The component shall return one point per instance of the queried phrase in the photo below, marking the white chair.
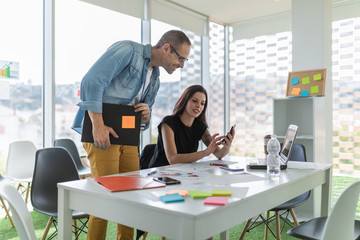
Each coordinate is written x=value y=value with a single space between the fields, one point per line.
x=2 y=203
x=20 y=163
x=23 y=222
x=340 y=224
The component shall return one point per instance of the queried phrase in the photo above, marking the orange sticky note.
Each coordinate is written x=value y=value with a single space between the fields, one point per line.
x=295 y=91
x=128 y=122
x=183 y=193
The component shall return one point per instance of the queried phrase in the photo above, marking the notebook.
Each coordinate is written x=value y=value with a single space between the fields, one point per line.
x=122 y=118
x=260 y=163
x=127 y=183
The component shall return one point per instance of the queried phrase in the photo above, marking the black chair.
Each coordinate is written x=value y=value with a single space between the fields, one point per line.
x=297 y=154
x=69 y=145
x=146 y=156
x=52 y=166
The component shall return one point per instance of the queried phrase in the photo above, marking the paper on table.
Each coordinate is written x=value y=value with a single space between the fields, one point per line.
x=303 y=165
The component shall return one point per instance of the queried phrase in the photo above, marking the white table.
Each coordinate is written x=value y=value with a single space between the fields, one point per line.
x=190 y=219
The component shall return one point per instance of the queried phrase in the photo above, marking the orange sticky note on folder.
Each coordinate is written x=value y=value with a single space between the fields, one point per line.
x=128 y=121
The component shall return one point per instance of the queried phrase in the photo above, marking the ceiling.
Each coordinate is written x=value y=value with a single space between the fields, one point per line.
x=230 y=12
x=235 y=11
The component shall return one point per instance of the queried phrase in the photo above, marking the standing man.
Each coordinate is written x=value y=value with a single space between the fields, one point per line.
x=127 y=73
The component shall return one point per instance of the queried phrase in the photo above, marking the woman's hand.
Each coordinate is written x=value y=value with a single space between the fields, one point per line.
x=215 y=141
x=228 y=138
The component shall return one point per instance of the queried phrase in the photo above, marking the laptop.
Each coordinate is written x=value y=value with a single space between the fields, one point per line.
x=260 y=163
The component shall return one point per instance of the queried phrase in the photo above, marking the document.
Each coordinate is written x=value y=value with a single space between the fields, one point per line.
x=122 y=118
x=127 y=183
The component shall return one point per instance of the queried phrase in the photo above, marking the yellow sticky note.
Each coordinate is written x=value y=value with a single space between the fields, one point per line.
x=314 y=89
x=305 y=80
x=295 y=91
x=317 y=77
x=128 y=122
x=221 y=192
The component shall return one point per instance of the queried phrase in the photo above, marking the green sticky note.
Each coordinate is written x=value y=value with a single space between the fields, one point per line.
x=221 y=192
x=317 y=77
x=199 y=194
x=305 y=80
x=314 y=89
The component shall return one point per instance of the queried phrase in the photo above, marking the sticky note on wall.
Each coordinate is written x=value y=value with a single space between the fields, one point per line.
x=317 y=77
x=294 y=80
x=128 y=122
x=295 y=91
x=314 y=89
x=304 y=93
x=305 y=80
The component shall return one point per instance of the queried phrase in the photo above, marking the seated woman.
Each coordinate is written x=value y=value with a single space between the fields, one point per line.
x=180 y=133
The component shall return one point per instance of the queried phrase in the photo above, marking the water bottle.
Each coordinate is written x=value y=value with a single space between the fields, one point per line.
x=273 y=158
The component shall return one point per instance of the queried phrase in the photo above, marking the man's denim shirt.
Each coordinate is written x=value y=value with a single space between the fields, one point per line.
x=117 y=77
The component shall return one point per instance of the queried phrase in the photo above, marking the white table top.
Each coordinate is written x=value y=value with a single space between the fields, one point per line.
x=252 y=193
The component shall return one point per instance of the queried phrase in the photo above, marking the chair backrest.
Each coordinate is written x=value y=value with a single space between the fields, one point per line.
x=70 y=145
x=146 y=155
x=52 y=166
x=21 y=160
x=298 y=153
x=20 y=214
x=340 y=223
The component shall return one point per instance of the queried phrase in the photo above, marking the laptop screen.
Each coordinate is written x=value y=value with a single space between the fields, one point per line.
x=288 y=143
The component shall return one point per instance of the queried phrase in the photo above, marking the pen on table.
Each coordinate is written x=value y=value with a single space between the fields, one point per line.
x=218 y=164
x=152 y=172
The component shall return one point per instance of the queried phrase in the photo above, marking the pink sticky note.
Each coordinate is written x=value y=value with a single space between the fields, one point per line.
x=216 y=201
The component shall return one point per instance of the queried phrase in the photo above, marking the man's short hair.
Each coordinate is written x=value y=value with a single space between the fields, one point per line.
x=174 y=37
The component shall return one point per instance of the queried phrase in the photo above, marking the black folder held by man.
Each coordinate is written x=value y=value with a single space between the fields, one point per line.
x=122 y=118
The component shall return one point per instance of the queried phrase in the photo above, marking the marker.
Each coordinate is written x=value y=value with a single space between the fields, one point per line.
x=219 y=164
x=152 y=172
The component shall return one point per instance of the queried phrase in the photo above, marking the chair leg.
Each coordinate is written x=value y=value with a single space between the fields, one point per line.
x=144 y=235
x=48 y=225
x=7 y=214
x=75 y=227
x=245 y=229
x=27 y=192
x=266 y=234
x=293 y=215
x=278 y=232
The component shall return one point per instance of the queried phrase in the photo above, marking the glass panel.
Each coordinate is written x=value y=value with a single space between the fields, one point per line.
x=259 y=70
x=346 y=96
x=216 y=93
x=173 y=85
x=81 y=39
x=20 y=74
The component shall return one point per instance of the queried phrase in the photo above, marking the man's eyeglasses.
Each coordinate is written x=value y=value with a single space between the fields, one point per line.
x=181 y=59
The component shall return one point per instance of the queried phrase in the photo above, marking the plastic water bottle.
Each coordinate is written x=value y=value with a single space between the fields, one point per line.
x=273 y=158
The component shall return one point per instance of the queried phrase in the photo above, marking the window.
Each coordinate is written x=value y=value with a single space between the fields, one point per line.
x=216 y=92
x=259 y=70
x=21 y=89
x=346 y=96
x=172 y=86
x=81 y=39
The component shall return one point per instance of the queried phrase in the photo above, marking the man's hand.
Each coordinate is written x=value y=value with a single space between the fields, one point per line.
x=145 y=112
x=101 y=132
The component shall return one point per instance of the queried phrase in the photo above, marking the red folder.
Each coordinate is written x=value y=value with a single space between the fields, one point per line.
x=127 y=183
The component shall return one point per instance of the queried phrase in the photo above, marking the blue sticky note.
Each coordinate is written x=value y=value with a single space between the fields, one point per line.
x=172 y=198
x=294 y=80
x=304 y=93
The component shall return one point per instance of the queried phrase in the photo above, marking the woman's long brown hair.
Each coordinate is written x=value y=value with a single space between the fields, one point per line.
x=185 y=97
